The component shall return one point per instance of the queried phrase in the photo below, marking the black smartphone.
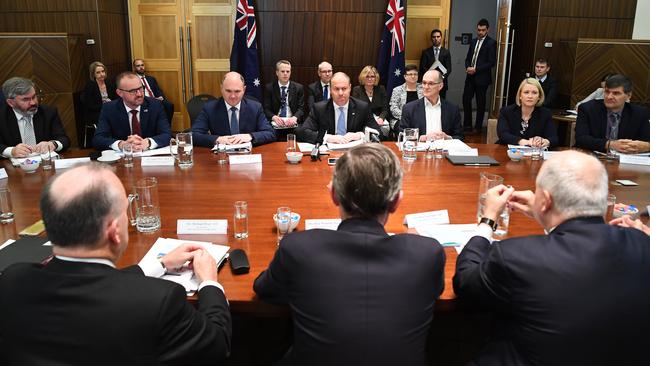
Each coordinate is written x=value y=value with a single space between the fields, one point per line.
x=332 y=161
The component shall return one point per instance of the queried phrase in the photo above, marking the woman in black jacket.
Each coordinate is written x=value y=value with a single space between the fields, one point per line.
x=99 y=90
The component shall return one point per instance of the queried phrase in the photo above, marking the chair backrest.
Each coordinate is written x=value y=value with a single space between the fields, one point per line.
x=195 y=105
x=491 y=137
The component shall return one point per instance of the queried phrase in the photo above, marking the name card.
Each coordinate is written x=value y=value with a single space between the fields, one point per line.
x=245 y=159
x=3 y=174
x=201 y=227
x=328 y=224
x=634 y=159
x=69 y=163
x=427 y=218
x=157 y=161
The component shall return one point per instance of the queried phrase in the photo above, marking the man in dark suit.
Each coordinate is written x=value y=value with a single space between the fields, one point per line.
x=548 y=83
x=481 y=58
x=358 y=295
x=284 y=100
x=437 y=53
x=339 y=120
x=152 y=89
x=78 y=309
x=613 y=124
x=232 y=119
x=320 y=90
x=435 y=117
x=25 y=126
x=133 y=119
x=571 y=297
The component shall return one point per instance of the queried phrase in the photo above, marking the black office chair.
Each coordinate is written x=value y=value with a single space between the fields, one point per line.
x=195 y=105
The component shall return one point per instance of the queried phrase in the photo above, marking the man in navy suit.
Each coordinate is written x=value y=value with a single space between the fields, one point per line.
x=232 y=119
x=320 y=90
x=341 y=119
x=612 y=123
x=25 y=126
x=133 y=118
x=284 y=100
x=79 y=309
x=358 y=295
x=435 y=117
x=436 y=53
x=576 y=295
x=152 y=89
x=481 y=58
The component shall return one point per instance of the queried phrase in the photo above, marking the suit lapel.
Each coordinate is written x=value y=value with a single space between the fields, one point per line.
x=12 y=125
x=352 y=116
x=329 y=117
x=422 y=117
x=144 y=116
x=125 y=115
x=38 y=121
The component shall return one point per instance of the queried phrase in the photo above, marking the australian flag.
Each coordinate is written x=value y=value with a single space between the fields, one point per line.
x=243 y=57
x=390 y=62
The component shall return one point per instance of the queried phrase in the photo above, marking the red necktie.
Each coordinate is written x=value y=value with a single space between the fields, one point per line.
x=135 y=124
x=146 y=85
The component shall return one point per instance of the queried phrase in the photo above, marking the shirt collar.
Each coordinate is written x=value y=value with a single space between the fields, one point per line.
x=542 y=79
x=287 y=86
x=128 y=109
x=86 y=260
x=322 y=84
x=345 y=106
x=228 y=106
x=427 y=103
x=19 y=115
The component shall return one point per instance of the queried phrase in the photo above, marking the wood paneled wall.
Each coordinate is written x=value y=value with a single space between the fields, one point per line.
x=344 y=33
x=540 y=21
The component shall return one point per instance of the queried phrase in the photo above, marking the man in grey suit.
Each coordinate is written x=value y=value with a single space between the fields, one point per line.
x=437 y=53
x=574 y=296
x=358 y=295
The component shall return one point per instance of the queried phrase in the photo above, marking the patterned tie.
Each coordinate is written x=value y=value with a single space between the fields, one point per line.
x=340 y=126
x=612 y=125
x=476 y=50
x=135 y=123
x=326 y=94
x=146 y=86
x=234 y=123
x=30 y=138
x=283 y=102
x=435 y=51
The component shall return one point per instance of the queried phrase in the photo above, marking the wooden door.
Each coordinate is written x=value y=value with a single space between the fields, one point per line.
x=423 y=16
x=504 y=55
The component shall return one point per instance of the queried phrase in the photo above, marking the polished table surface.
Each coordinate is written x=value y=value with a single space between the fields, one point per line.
x=208 y=191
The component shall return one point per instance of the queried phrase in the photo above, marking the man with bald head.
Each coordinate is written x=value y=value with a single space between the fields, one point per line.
x=341 y=119
x=78 y=307
x=576 y=295
x=232 y=119
x=320 y=90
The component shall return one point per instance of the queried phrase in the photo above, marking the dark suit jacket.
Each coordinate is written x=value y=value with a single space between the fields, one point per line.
x=573 y=297
x=358 y=296
x=540 y=124
x=115 y=123
x=413 y=116
x=379 y=104
x=321 y=120
x=315 y=94
x=591 y=124
x=296 y=100
x=91 y=100
x=485 y=61
x=428 y=58
x=71 y=313
x=212 y=122
x=550 y=91
x=153 y=84
x=47 y=127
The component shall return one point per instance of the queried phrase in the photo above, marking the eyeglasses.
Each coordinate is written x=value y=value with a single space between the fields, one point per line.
x=134 y=91
x=325 y=71
x=430 y=83
x=411 y=74
x=370 y=76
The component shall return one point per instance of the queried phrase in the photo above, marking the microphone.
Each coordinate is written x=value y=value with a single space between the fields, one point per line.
x=315 y=152
x=372 y=135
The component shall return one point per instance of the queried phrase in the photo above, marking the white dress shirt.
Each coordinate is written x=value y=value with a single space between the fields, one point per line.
x=21 y=127
x=433 y=116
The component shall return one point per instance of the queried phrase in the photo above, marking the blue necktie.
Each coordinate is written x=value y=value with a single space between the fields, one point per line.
x=234 y=123
x=326 y=94
x=340 y=126
x=283 y=102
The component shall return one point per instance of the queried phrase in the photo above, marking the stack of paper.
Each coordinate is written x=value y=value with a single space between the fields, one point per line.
x=333 y=146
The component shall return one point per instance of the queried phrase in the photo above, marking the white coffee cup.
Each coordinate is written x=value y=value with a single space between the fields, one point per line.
x=108 y=154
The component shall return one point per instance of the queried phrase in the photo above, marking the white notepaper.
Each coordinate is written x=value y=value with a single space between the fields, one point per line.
x=470 y=152
x=634 y=159
x=456 y=235
x=3 y=173
x=245 y=159
x=333 y=146
x=159 y=151
x=246 y=145
x=69 y=163
x=157 y=161
x=427 y=218
x=328 y=224
x=184 y=226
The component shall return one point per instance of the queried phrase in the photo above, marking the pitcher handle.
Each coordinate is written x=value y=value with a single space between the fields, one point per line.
x=173 y=143
x=400 y=137
x=133 y=210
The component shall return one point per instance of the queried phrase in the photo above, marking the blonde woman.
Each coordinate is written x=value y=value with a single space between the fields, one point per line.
x=372 y=93
x=99 y=90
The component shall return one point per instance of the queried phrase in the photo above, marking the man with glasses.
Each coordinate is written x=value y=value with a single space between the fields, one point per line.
x=25 y=126
x=436 y=57
x=320 y=90
x=133 y=118
x=435 y=117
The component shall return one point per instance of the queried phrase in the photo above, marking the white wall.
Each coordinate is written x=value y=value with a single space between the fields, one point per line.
x=641 y=24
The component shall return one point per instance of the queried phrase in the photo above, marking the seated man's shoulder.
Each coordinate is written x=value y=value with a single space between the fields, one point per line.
x=444 y=103
x=359 y=103
x=250 y=103
x=417 y=242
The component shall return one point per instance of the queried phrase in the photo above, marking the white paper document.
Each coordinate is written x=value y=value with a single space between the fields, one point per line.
x=439 y=66
x=333 y=146
x=185 y=276
x=328 y=224
x=157 y=161
x=234 y=147
x=184 y=226
x=634 y=159
x=245 y=159
x=427 y=218
x=470 y=152
x=456 y=235
x=159 y=151
x=69 y=163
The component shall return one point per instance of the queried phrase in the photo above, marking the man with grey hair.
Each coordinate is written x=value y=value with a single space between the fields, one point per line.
x=79 y=308
x=575 y=296
x=25 y=126
x=358 y=295
x=320 y=89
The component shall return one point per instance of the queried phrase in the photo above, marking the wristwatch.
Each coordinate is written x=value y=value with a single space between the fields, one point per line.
x=491 y=223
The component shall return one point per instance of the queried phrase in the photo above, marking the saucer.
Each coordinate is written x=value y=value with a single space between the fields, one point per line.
x=105 y=159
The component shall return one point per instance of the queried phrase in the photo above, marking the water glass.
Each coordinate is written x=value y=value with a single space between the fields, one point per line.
x=6 y=210
x=46 y=159
x=291 y=142
x=535 y=153
x=611 y=201
x=144 y=207
x=283 y=222
x=241 y=220
x=429 y=153
x=222 y=156
x=127 y=149
x=181 y=148
x=438 y=148
x=486 y=182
